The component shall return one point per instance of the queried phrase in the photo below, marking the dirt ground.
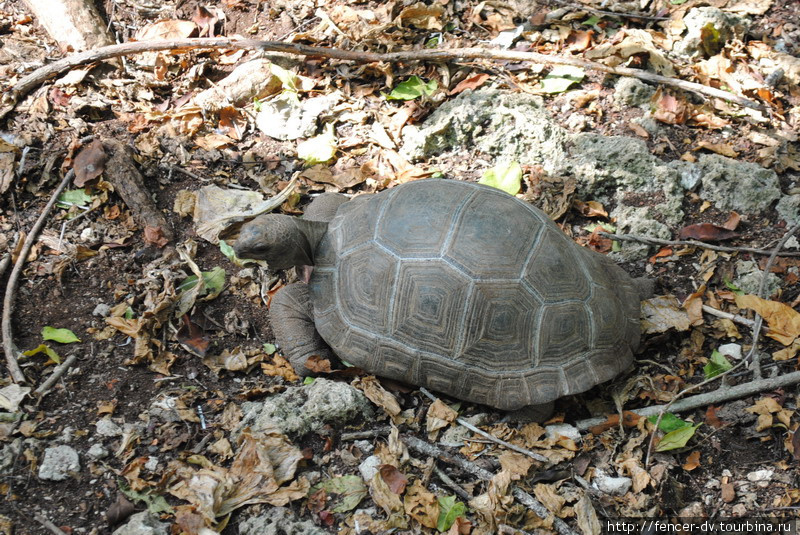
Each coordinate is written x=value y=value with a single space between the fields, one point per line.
x=110 y=261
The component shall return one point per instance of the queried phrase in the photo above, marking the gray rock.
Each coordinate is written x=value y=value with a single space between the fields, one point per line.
x=59 y=463
x=616 y=486
x=105 y=427
x=733 y=185
x=750 y=276
x=9 y=453
x=508 y=125
x=728 y=25
x=689 y=174
x=300 y=410
x=278 y=521
x=564 y=430
x=641 y=221
x=788 y=208
x=97 y=452
x=631 y=92
x=734 y=351
x=143 y=523
x=286 y=118
x=102 y=310
x=369 y=467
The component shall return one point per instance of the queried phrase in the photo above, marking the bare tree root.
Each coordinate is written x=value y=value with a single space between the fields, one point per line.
x=27 y=83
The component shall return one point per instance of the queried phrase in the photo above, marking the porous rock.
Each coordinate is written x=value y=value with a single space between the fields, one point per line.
x=728 y=25
x=278 y=521
x=144 y=523
x=59 y=463
x=300 y=410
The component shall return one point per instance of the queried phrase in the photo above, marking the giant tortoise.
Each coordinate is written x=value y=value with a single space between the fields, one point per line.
x=450 y=285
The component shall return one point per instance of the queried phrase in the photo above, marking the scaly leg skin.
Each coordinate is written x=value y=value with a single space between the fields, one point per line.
x=292 y=319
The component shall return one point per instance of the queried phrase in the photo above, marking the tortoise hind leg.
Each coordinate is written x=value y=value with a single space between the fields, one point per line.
x=292 y=319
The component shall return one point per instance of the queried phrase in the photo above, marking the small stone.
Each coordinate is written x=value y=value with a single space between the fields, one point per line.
x=97 y=452
x=143 y=523
x=101 y=310
x=728 y=492
x=58 y=463
x=564 y=430
x=151 y=464
x=733 y=351
x=739 y=509
x=615 y=486
x=105 y=427
x=760 y=475
x=369 y=467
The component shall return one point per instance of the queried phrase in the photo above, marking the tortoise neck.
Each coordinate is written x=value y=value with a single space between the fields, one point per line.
x=311 y=233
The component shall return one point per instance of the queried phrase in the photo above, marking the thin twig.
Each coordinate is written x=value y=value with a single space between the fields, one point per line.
x=520 y=495
x=49 y=525
x=751 y=355
x=455 y=487
x=728 y=316
x=11 y=351
x=58 y=372
x=489 y=436
x=692 y=243
x=37 y=77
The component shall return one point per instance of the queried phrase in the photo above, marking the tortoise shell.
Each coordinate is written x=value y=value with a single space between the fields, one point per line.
x=466 y=290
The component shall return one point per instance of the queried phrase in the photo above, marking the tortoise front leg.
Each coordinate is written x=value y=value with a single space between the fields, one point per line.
x=292 y=317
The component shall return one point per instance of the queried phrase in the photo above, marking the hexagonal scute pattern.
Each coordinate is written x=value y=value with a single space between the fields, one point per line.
x=365 y=283
x=416 y=221
x=554 y=270
x=502 y=320
x=493 y=237
x=428 y=305
x=468 y=291
x=564 y=333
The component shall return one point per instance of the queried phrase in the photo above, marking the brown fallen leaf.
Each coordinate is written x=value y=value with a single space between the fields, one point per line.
x=712 y=419
x=89 y=163
x=782 y=320
x=589 y=208
x=393 y=477
x=692 y=461
x=473 y=82
x=421 y=505
x=732 y=222
x=439 y=416
x=706 y=232
x=378 y=395
x=629 y=419
x=720 y=148
x=669 y=109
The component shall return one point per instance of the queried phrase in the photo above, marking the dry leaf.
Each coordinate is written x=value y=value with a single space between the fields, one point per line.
x=706 y=232
x=662 y=313
x=439 y=416
x=378 y=395
x=783 y=321
x=692 y=461
x=393 y=477
x=421 y=505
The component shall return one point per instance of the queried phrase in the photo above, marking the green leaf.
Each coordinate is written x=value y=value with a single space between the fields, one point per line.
x=717 y=365
x=669 y=422
x=129 y=314
x=269 y=349
x=351 y=490
x=227 y=250
x=434 y=41
x=288 y=78
x=308 y=380
x=732 y=287
x=47 y=350
x=74 y=197
x=449 y=510
x=561 y=78
x=318 y=149
x=62 y=336
x=677 y=439
x=156 y=503
x=677 y=2
x=412 y=88
x=506 y=177
x=591 y=21
x=606 y=227
x=213 y=282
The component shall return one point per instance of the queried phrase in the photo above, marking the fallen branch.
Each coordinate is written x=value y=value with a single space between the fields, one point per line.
x=728 y=316
x=37 y=77
x=520 y=495
x=692 y=243
x=581 y=7
x=57 y=373
x=11 y=351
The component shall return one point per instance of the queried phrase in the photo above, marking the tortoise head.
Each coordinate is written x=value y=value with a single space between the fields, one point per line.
x=282 y=241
